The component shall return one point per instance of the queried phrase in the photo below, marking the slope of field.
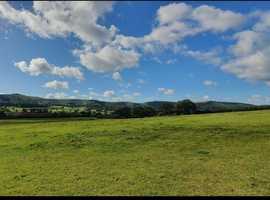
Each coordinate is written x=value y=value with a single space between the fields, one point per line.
x=211 y=154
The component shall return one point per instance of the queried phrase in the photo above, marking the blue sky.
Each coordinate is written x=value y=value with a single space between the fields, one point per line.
x=136 y=51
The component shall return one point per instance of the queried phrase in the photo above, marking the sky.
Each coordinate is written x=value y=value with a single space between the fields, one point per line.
x=136 y=51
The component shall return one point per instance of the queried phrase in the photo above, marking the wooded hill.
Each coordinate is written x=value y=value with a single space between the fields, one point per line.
x=24 y=101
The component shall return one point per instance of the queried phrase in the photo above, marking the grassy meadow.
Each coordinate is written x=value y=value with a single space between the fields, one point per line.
x=210 y=154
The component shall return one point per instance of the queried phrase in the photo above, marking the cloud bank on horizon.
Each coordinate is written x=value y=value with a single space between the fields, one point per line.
x=103 y=49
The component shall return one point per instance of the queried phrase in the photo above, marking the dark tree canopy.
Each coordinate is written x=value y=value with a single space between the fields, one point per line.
x=143 y=111
x=167 y=108
x=138 y=111
x=149 y=111
x=185 y=107
x=2 y=114
x=124 y=112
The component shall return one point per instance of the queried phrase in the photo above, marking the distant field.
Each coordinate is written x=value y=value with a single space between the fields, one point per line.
x=211 y=154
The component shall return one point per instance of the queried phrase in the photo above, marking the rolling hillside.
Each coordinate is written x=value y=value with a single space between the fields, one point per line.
x=214 y=106
x=28 y=101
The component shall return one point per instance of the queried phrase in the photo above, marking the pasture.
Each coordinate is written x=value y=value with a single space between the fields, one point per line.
x=210 y=154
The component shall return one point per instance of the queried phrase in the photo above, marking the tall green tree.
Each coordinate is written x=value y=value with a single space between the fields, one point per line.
x=185 y=107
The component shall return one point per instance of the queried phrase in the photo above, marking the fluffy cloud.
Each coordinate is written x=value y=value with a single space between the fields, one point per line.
x=105 y=96
x=116 y=76
x=94 y=95
x=250 y=54
x=124 y=97
x=170 y=33
x=68 y=72
x=109 y=59
x=209 y=83
x=208 y=18
x=49 y=19
x=252 y=67
x=166 y=91
x=128 y=42
x=247 y=41
x=58 y=95
x=173 y=12
x=57 y=85
x=179 y=20
x=258 y=99
x=176 y=21
x=205 y=98
x=109 y=93
x=38 y=66
x=211 y=57
x=62 y=95
x=216 y=20
x=104 y=50
x=264 y=21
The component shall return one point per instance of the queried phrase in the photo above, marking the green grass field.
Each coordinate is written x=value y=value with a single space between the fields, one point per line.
x=211 y=154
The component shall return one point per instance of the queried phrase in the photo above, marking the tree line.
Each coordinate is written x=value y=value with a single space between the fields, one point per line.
x=166 y=108
x=183 y=107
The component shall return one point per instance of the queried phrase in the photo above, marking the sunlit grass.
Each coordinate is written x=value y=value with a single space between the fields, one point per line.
x=211 y=154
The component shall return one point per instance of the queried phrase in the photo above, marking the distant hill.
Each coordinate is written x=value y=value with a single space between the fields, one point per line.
x=157 y=104
x=215 y=106
x=28 y=101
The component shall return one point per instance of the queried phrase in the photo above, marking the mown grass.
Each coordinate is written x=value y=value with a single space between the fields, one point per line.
x=211 y=154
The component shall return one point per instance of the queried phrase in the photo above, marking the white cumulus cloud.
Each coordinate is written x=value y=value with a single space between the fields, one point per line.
x=173 y=12
x=166 y=91
x=109 y=93
x=258 y=99
x=179 y=20
x=50 y=19
x=211 y=57
x=57 y=95
x=57 y=84
x=250 y=54
x=109 y=59
x=68 y=71
x=216 y=20
x=206 y=98
x=116 y=76
x=38 y=66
